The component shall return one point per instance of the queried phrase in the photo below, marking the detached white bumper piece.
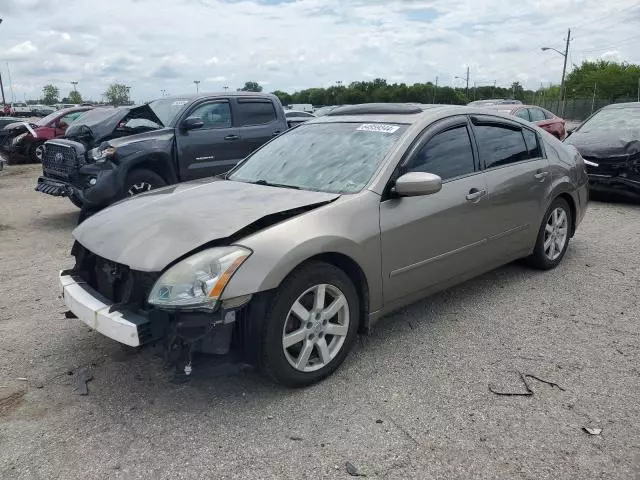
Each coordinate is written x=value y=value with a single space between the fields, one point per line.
x=93 y=310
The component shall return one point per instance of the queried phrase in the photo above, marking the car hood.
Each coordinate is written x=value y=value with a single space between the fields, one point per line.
x=159 y=134
x=101 y=122
x=16 y=128
x=603 y=144
x=151 y=230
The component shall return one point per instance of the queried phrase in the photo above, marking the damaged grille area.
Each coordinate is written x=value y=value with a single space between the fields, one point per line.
x=118 y=283
x=615 y=166
x=60 y=161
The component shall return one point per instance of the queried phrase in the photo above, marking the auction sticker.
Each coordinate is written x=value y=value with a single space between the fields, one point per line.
x=179 y=103
x=377 y=127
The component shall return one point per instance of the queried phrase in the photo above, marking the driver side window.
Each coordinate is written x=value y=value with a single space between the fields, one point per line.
x=214 y=115
x=447 y=154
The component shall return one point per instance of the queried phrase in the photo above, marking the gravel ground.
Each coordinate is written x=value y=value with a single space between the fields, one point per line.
x=411 y=401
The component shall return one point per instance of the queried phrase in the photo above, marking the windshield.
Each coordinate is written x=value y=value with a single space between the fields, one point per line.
x=166 y=109
x=613 y=119
x=49 y=118
x=326 y=157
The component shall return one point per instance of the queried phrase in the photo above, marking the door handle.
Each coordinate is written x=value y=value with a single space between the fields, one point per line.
x=231 y=137
x=541 y=175
x=475 y=194
x=276 y=133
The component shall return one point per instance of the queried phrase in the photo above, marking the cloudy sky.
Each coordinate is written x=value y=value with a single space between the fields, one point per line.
x=153 y=45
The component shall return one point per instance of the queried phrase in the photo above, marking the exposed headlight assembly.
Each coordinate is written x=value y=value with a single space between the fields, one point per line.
x=197 y=282
x=19 y=138
x=99 y=154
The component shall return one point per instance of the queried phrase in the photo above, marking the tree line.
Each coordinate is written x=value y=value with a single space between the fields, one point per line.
x=603 y=79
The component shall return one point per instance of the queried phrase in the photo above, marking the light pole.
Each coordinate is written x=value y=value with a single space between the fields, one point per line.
x=74 y=86
x=564 y=69
x=226 y=87
x=197 y=82
x=2 y=86
x=128 y=89
x=163 y=92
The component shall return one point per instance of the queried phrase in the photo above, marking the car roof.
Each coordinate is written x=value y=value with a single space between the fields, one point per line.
x=198 y=96
x=623 y=105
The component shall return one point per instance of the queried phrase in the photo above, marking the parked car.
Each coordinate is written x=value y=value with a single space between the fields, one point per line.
x=538 y=115
x=42 y=110
x=20 y=110
x=495 y=101
x=22 y=139
x=325 y=110
x=609 y=141
x=168 y=140
x=4 y=121
x=296 y=117
x=320 y=232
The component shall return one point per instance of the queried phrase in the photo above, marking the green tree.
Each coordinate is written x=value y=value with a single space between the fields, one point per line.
x=285 y=98
x=50 y=94
x=611 y=80
x=251 y=87
x=117 y=94
x=75 y=97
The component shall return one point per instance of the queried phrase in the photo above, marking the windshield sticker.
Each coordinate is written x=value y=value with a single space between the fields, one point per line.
x=179 y=103
x=377 y=127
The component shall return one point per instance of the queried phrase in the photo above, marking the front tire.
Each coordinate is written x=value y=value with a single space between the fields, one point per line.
x=310 y=326
x=553 y=236
x=140 y=181
x=36 y=152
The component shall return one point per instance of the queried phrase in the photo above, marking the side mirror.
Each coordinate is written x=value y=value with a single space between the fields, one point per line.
x=192 y=123
x=416 y=184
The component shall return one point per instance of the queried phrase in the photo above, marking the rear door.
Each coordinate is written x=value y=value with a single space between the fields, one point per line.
x=430 y=239
x=212 y=149
x=257 y=121
x=517 y=176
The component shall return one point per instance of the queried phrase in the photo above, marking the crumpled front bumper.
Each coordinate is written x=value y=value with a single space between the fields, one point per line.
x=614 y=184
x=94 y=310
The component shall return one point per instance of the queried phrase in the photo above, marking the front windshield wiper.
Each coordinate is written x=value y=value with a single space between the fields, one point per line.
x=269 y=184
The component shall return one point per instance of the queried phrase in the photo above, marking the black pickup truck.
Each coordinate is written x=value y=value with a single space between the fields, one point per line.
x=111 y=153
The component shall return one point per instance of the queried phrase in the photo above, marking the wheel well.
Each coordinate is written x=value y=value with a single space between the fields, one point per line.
x=158 y=165
x=356 y=275
x=572 y=205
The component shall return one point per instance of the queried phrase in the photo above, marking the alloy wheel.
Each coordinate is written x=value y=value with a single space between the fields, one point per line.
x=556 y=232
x=137 y=188
x=316 y=328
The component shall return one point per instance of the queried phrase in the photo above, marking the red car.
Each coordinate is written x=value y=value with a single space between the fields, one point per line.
x=538 y=115
x=27 y=139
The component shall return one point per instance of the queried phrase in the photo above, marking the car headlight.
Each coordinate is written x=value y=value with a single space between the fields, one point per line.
x=99 y=154
x=19 y=138
x=197 y=282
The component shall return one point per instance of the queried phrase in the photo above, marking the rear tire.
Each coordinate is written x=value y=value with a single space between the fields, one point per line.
x=140 y=181
x=553 y=236
x=327 y=330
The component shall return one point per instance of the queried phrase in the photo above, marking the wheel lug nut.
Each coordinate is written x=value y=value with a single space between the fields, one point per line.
x=309 y=325
x=324 y=322
x=311 y=337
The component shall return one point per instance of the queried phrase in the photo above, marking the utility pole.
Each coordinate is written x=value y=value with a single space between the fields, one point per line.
x=467 y=93
x=13 y=99
x=593 y=100
x=435 y=90
x=564 y=71
x=2 y=86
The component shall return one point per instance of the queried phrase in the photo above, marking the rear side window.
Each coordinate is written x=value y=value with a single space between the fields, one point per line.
x=524 y=114
x=500 y=145
x=531 y=140
x=547 y=115
x=536 y=115
x=448 y=154
x=256 y=112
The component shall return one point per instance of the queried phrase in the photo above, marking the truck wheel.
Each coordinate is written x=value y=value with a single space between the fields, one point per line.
x=142 y=180
x=36 y=152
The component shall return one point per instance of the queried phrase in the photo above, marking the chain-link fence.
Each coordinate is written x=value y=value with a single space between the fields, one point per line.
x=578 y=108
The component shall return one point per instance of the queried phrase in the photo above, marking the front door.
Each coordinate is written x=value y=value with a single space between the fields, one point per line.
x=518 y=176
x=431 y=239
x=211 y=149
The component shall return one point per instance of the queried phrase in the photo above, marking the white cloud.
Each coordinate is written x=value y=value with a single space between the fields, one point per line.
x=303 y=43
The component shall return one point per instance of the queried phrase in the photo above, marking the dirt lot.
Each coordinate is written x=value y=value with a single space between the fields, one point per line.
x=411 y=401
